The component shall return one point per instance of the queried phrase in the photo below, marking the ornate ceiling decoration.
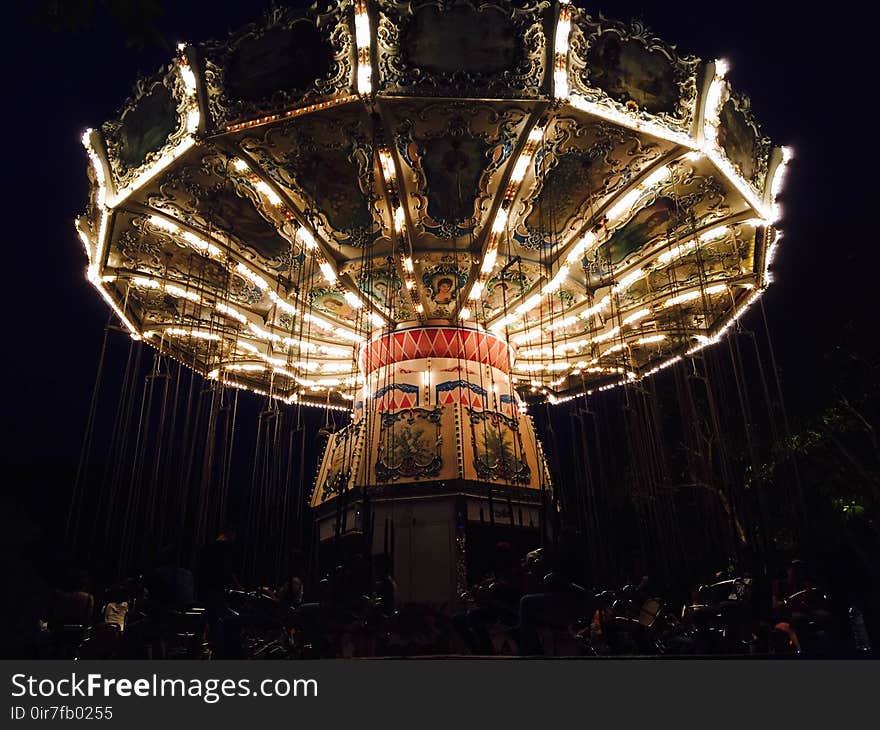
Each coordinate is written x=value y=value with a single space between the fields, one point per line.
x=266 y=205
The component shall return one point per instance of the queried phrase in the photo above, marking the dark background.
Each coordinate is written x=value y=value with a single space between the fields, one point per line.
x=811 y=77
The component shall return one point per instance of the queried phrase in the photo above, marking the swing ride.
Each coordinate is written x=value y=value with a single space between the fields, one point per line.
x=430 y=216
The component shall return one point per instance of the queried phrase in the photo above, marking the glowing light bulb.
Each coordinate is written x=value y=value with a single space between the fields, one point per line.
x=353 y=299
x=636 y=316
x=305 y=235
x=650 y=340
x=327 y=270
x=489 y=261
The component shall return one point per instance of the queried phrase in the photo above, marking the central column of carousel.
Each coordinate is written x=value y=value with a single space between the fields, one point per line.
x=438 y=463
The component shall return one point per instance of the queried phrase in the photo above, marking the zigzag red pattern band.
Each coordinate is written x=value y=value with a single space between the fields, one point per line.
x=457 y=343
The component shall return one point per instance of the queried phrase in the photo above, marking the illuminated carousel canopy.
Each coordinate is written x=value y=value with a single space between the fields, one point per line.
x=272 y=208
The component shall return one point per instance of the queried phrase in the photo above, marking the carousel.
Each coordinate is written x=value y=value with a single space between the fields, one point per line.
x=431 y=216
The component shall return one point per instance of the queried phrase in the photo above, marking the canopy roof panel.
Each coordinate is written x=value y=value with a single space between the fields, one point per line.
x=265 y=204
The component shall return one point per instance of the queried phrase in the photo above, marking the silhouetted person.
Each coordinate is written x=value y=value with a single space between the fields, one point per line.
x=214 y=576
x=357 y=583
x=290 y=592
x=169 y=583
x=216 y=569
x=797 y=604
x=560 y=597
x=70 y=613
x=497 y=596
x=72 y=604
x=385 y=586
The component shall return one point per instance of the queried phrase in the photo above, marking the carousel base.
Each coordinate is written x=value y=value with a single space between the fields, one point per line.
x=438 y=543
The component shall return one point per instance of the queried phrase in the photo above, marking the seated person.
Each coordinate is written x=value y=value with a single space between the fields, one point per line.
x=560 y=600
x=797 y=603
x=169 y=583
x=73 y=604
x=497 y=597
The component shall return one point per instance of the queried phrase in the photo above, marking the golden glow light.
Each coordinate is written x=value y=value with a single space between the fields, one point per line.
x=630 y=120
x=650 y=339
x=267 y=192
x=192 y=119
x=327 y=270
x=581 y=247
x=362 y=41
x=626 y=203
x=194 y=333
x=560 y=52
x=353 y=299
x=529 y=304
x=519 y=170
x=387 y=164
x=145 y=283
x=675 y=252
x=717 y=95
x=777 y=183
x=182 y=293
x=596 y=308
x=636 y=316
x=682 y=298
x=254 y=278
x=502 y=323
x=95 y=280
x=305 y=235
x=557 y=325
x=197 y=243
x=489 y=261
x=615 y=348
x=627 y=281
x=164 y=223
x=606 y=335
x=557 y=281
x=500 y=221
x=281 y=303
x=230 y=312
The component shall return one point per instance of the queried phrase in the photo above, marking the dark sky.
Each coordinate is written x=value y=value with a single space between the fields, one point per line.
x=812 y=78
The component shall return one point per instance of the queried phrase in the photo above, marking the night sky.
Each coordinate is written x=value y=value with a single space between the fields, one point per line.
x=811 y=78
